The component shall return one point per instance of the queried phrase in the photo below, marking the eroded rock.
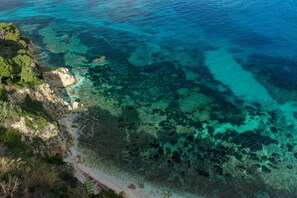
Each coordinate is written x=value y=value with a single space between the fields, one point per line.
x=59 y=78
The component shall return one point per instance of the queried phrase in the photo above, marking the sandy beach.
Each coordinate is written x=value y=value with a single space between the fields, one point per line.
x=102 y=180
x=84 y=173
x=105 y=177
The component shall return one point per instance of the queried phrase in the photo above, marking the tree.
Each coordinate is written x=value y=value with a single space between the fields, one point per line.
x=5 y=68
x=27 y=74
x=22 y=60
x=9 y=32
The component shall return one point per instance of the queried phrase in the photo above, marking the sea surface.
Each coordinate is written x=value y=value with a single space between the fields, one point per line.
x=198 y=97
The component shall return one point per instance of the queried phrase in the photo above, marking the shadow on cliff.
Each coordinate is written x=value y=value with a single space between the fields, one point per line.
x=9 y=48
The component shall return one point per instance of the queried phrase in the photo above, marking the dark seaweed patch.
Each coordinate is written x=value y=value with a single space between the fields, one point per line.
x=290 y=147
x=249 y=139
x=57 y=59
x=265 y=169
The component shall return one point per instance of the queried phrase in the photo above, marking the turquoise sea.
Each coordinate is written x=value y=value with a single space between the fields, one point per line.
x=198 y=96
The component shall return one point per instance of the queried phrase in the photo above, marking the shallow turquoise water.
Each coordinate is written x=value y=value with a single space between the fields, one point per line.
x=196 y=96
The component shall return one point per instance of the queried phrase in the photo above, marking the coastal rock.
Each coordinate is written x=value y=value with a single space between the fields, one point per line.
x=17 y=95
x=53 y=141
x=45 y=132
x=132 y=186
x=59 y=78
x=49 y=93
x=54 y=105
x=75 y=105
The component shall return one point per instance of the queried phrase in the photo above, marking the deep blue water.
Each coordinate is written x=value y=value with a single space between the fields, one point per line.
x=196 y=96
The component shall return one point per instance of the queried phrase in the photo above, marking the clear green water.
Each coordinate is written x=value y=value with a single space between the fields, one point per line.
x=198 y=97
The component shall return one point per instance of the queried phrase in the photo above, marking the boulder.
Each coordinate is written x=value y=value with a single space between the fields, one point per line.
x=59 y=78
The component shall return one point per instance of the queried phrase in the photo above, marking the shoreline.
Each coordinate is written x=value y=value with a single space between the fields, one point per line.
x=75 y=158
x=101 y=180
x=105 y=178
x=119 y=182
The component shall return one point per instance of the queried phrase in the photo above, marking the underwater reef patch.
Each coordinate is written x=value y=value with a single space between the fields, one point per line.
x=156 y=120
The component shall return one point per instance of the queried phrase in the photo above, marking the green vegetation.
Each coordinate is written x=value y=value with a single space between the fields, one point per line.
x=12 y=139
x=8 y=31
x=32 y=106
x=27 y=176
x=9 y=111
x=15 y=63
x=5 y=68
x=26 y=170
x=32 y=112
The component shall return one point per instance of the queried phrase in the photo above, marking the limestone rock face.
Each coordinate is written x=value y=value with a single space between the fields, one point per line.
x=59 y=78
x=49 y=130
x=18 y=95
x=51 y=102
x=49 y=93
x=54 y=99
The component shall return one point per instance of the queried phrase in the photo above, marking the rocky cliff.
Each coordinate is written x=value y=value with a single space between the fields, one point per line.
x=50 y=95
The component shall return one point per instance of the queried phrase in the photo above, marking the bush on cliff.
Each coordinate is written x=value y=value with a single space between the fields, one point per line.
x=12 y=139
x=5 y=68
x=15 y=62
x=24 y=171
x=26 y=176
x=8 y=31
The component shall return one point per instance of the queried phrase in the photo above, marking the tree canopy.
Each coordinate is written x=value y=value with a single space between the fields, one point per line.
x=5 y=68
x=15 y=62
x=8 y=31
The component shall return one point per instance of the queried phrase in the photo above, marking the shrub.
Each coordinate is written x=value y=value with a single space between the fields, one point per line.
x=32 y=106
x=22 y=60
x=5 y=68
x=10 y=187
x=8 y=165
x=8 y=31
x=12 y=138
x=2 y=94
x=22 y=51
x=14 y=60
x=23 y=43
x=27 y=75
x=9 y=111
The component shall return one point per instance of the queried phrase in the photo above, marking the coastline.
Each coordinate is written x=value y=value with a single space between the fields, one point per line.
x=60 y=82
x=102 y=181
x=83 y=170
x=105 y=178
x=149 y=93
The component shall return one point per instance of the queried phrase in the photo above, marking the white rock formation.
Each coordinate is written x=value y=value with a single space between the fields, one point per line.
x=59 y=78
x=47 y=93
